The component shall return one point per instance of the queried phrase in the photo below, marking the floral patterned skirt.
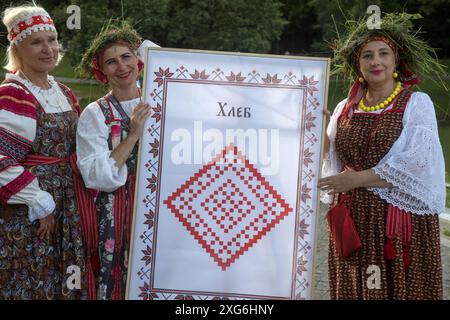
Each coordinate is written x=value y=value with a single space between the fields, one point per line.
x=31 y=268
x=112 y=276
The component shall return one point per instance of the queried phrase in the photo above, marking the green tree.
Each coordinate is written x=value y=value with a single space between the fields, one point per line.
x=75 y=41
x=150 y=19
x=436 y=18
x=331 y=16
x=301 y=29
x=435 y=23
x=231 y=25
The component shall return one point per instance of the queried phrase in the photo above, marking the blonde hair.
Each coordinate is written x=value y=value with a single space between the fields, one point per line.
x=12 y=61
x=11 y=16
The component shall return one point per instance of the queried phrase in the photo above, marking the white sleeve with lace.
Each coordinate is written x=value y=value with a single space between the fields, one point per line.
x=415 y=163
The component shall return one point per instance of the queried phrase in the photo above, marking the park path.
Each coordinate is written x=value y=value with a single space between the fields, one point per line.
x=320 y=285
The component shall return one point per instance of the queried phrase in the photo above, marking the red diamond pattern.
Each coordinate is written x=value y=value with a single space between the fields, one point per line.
x=230 y=211
x=227 y=206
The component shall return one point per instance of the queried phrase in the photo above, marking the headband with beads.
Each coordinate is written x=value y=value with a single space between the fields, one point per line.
x=31 y=21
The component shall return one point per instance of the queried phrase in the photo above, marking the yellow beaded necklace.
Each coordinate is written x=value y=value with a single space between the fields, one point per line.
x=383 y=104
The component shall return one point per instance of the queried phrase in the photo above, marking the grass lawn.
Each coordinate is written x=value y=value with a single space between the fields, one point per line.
x=87 y=93
x=441 y=99
x=65 y=69
x=444 y=136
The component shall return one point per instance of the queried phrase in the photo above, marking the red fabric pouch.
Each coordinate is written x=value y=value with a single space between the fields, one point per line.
x=343 y=231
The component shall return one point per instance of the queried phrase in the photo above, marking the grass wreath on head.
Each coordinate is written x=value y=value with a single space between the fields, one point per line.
x=413 y=52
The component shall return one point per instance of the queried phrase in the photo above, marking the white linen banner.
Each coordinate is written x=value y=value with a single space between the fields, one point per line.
x=226 y=197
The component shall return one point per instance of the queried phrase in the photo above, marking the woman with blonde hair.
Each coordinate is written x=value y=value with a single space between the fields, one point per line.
x=41 y=249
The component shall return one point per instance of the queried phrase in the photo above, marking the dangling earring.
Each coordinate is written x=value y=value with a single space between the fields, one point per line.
x=361 y=79
x=395 y=75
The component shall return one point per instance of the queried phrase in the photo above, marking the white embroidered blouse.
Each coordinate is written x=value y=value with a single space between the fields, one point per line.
x=414 y=165
x=96 y=165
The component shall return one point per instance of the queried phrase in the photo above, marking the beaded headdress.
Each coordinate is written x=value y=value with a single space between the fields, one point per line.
x=27 y=22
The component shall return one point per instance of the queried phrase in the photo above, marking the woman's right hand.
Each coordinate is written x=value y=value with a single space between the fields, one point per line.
x=46 y=227
x=140 y=113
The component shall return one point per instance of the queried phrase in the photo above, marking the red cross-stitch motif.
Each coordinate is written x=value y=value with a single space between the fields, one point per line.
x=228 y=206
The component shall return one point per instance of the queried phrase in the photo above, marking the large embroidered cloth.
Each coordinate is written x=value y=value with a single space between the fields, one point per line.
x=226 y=199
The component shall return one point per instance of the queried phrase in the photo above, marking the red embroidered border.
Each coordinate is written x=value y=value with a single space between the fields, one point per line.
x=6 y=163
x=13 y=145
x=216 y=76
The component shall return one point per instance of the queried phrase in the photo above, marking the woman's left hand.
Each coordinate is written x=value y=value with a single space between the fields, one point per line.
x=342 y=182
